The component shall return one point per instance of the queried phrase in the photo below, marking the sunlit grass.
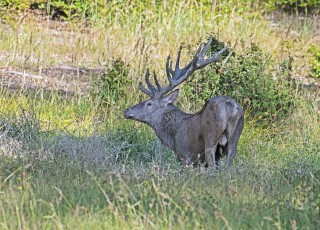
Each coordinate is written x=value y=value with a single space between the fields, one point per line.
x=123 y=179
x=72 y=163
x=145 y=39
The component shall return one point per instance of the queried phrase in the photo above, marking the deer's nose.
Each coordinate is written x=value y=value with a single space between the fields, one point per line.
x=125 y=114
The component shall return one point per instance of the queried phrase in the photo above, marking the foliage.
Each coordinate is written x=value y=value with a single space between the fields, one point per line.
x=65 y=164
x=55 y=184
x=119 y=10
x=111 y=86
x=261 y=86
x=293 y=6
x=315 y=61
x=70 y=9
x=15 y=4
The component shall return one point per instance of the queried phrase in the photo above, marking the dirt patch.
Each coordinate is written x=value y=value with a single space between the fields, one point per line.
x=65 y=79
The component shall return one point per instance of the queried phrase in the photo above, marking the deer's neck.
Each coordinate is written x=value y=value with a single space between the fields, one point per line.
x=168 y=126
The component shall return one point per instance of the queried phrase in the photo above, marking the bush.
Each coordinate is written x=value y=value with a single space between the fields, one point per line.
x=58 y=9
x=71 y=9
x=110 y=87
x=292 y=6
x=315 y=62
x=262 y=87
x=15 y=4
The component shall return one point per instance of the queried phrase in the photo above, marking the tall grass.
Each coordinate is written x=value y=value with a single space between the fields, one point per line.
x=75 y=163
x=122 y=178
x=142 y=34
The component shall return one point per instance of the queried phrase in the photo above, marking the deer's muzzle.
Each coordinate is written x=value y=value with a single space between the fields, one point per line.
x=127 y=115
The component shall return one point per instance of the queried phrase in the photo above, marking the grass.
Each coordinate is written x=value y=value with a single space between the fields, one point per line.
x=67 y=162
x=122 y=178
x=143 y=41
x=253 y=200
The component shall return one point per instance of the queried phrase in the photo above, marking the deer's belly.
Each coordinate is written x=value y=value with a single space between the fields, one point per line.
x=189 y=146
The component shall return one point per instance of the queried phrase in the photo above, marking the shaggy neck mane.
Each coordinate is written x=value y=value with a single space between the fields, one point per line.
x=166 y=128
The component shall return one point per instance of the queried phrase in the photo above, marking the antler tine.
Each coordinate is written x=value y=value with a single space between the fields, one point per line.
x=169 y=69
x=144 y=90
x=178 y=60
x=198 y=50
x=211 y=59
x=156 y=80
x=177 y=76
x=150 y=86
x=152 y=90
x=214 y=58
x=204 y=50
x=199 y=60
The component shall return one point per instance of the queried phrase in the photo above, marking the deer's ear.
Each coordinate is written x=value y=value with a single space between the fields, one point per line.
x=171 y=97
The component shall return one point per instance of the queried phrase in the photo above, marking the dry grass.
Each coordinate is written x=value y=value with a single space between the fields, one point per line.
x=29 y=43
x=66 y=164
x=119 y=182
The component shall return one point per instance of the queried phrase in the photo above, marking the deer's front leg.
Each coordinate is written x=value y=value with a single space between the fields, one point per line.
x=185 y=157
x=185 y=161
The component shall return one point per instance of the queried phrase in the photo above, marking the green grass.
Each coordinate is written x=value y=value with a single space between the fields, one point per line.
x=145 y=39
x=76 y=163
x=255 y=198
x=122 y=178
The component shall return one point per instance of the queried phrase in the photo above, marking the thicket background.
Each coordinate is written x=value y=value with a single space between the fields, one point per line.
x=70 y=160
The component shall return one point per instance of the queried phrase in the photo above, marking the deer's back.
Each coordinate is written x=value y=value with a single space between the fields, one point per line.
x=216 y=122
x=219 y=113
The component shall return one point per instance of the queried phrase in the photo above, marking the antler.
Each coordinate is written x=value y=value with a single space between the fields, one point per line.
x=177 y=76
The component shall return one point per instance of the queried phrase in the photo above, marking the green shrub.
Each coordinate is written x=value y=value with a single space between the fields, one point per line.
x=71 y=9
x=262 y=87
x=315 y=62
x=110 y=87
x=68 y=9
x=293 y=6
x=120 y=10
x=15 y=4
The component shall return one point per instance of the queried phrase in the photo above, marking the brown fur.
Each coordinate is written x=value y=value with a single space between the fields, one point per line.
x=203 y=137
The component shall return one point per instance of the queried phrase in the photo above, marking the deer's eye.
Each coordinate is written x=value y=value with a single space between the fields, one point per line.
x=149 y=103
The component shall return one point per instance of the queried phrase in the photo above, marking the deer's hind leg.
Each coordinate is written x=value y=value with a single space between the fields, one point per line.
x=210 y=152
x=232 y=144
x=220 y=152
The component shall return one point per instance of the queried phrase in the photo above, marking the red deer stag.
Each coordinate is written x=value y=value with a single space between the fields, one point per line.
x=202 y=137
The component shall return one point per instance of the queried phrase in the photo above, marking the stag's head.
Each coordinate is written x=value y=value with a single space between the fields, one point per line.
x=150 y=111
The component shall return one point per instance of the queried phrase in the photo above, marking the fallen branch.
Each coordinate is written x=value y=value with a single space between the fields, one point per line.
x=24 y=74
x=75 y=69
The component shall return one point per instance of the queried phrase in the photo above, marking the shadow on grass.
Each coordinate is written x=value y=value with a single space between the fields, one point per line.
x=126 y=179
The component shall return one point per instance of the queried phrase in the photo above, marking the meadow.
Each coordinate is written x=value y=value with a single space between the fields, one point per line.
x=69 y=159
